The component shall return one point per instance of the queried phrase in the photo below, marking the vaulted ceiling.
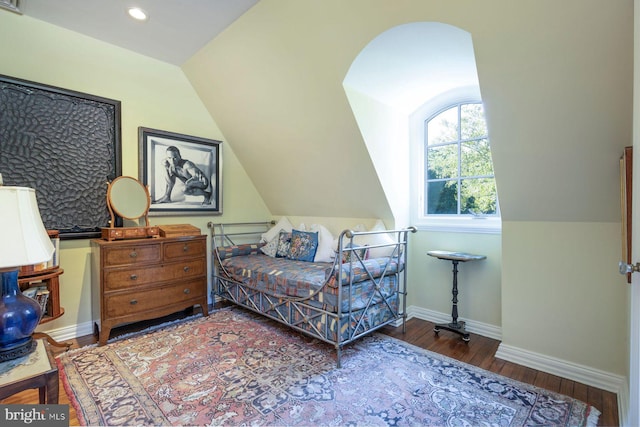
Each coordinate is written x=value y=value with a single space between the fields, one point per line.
x=174 y=31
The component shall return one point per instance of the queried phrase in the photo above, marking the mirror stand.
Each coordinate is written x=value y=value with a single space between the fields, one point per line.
x=129 y=199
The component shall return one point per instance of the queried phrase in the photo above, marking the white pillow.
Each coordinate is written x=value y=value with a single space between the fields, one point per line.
x=377 y=239
x=345 y=241
x=359 y=227
x=282 y=225
x=325 y=251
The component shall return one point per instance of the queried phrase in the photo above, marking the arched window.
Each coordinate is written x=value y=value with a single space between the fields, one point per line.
x=459 y=172
x=429 y=75
x=455 y=186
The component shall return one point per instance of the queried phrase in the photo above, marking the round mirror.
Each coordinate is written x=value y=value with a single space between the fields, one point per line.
x=128 y=197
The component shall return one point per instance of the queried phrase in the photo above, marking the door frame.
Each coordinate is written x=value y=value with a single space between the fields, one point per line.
x=633 y=413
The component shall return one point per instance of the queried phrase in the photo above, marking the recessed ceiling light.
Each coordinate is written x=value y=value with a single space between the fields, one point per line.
x=137 y=13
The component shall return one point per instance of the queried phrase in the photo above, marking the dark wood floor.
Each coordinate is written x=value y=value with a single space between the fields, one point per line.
x=479 y=352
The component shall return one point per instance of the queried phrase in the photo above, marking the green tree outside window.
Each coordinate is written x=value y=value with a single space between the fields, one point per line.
x=459 y=178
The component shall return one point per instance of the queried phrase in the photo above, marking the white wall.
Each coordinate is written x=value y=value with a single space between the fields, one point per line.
x=385 y=132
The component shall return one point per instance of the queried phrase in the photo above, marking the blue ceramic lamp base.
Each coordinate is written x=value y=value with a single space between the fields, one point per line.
x=19 y=317
x=18 y=351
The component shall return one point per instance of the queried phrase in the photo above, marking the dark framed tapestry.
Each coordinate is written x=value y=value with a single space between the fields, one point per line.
x=182 y=172
x=64 y=144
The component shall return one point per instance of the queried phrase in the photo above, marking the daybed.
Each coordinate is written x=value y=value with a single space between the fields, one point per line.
x=337 y=299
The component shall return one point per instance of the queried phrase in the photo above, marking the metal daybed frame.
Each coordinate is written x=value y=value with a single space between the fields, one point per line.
x=339 y=327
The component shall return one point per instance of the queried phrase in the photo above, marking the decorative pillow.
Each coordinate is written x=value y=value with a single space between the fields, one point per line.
x=271 y=248
x=282 y=225
x=303 y=245
x=225 y=252
x=284 y=244
x=325 y=251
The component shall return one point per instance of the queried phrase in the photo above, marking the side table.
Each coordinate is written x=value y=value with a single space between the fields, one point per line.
x=35 y=370
x=455 y=258
x=51 y=279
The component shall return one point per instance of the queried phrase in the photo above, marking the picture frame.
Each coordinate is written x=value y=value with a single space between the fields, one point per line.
x=67 y=146
x=183 y=173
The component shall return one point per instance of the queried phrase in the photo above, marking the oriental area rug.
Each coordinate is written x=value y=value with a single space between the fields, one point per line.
x=236 y=368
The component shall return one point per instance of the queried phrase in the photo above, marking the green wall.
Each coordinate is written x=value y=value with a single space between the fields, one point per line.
x=153 y=94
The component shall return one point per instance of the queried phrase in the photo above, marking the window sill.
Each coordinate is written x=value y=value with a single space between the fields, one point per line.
x=461 y=225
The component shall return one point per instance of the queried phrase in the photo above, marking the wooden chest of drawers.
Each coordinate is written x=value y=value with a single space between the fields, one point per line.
x=135 y=280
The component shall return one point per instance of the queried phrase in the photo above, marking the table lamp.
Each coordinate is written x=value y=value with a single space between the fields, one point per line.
x=23 y=241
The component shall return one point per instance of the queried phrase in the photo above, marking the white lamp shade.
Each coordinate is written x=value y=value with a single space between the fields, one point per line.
x=23 y=238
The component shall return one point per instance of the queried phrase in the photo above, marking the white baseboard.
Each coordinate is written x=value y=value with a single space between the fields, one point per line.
x=480 y=328
x=573 y=371
x=70 y=332
x=562 y=368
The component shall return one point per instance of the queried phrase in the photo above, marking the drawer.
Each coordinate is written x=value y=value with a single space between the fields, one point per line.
x=187 y=248
x=127 y=255
x=127 y=303
x=122 y=278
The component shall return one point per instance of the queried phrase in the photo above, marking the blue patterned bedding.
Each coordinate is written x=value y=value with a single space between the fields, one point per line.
x=281 y=277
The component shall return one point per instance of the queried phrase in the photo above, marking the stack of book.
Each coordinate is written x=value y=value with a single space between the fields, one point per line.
x=40 y=294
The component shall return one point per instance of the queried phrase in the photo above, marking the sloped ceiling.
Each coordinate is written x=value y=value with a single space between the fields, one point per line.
x=557 y=95
x=175 y=30
x=279 y=100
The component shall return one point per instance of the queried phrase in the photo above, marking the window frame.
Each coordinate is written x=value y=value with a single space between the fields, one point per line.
x=447 y=223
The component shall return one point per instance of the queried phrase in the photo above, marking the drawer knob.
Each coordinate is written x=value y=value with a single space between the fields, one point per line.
x=186 y=269
x=187 y=291
x=134 y=277
x=133 y=254
x=185 y=248
x=133 y=302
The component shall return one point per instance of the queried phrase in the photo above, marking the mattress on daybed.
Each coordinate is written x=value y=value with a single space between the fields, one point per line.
x=291 y=278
